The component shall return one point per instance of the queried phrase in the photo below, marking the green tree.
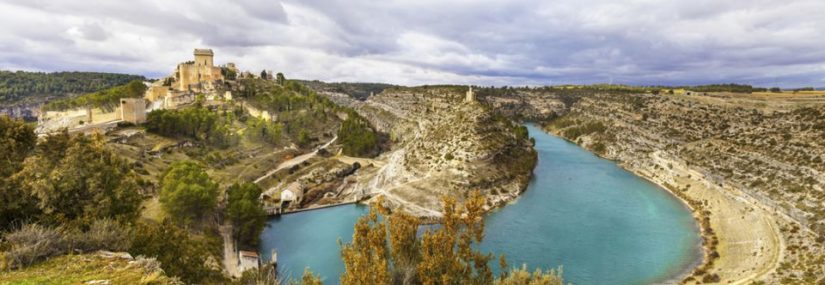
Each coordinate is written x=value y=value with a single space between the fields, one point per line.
x=280 y=79
x=187 y=192
x=357 y=137
x=17 y=140
x=180 y=253
x=78 y=178
x=245 y=211
x=303 y=138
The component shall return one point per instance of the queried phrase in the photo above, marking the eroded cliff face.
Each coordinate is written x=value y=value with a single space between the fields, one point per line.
x=442 y=145
x=754 y=173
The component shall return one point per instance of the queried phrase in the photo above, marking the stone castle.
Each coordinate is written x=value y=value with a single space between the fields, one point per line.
x=180 y=88
x=197 y=76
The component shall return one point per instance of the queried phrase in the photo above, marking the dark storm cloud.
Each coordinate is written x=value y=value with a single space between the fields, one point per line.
x=762 y=42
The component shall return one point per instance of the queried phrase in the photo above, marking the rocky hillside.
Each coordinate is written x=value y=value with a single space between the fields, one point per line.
x=746 y=167
x=442 y=145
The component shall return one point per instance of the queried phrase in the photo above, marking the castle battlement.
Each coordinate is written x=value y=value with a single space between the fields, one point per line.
x=203 y=51
x=198 y=74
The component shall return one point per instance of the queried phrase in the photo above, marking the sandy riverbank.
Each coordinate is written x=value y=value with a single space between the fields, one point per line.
x=749 y=245
x=749 y=242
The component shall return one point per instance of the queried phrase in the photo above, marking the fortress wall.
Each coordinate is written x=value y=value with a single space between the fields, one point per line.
x=72 y=118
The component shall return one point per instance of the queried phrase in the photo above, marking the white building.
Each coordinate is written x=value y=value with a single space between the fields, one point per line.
x=247 y=260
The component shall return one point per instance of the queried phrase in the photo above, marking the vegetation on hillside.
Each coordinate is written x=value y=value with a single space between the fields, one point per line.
x=301 y=113
x=357 y=137
x=108 y=98
x=246 y=213
x=180 y=252
x=198 y=123
x=22 y=86
x=259 y=130
x=187 y=192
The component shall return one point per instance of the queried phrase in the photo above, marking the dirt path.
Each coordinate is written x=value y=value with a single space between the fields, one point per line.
x=295 y=161
x=230 y=255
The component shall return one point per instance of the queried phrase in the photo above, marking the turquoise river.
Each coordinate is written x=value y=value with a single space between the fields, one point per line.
x=602 y=224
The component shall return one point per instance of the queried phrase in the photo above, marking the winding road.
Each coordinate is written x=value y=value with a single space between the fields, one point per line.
x=295 y=161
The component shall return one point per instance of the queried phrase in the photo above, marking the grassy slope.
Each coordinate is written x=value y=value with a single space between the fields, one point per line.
x=78 y=269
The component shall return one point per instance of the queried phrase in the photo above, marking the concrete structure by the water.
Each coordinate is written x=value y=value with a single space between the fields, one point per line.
x=603 y=224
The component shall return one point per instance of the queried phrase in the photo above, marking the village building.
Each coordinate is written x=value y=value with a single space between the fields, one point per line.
x=247 y=260
x=292 y=194
x=133 y=110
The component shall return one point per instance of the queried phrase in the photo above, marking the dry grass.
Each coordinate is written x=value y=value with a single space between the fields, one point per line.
x=79 y=269
x=152 y=210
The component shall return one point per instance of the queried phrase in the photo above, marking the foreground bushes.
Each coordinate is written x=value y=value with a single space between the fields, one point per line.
x=393 y=252
x=33 y=243
x=68 y=180
x=180 y=253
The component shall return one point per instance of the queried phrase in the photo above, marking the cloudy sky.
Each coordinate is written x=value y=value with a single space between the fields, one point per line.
x=760 y=42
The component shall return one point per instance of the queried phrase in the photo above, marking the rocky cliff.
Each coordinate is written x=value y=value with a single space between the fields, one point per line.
x=442 y=145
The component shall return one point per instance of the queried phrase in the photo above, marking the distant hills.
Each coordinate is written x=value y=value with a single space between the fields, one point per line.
x=358 y=90
x=22 y=87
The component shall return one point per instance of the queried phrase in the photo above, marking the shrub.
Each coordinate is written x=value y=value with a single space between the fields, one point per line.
x=711 y=278
x=33 y=243
x=105 y=234
x=520 y=276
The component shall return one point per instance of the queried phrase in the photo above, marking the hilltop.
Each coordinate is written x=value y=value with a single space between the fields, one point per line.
x=442 y=144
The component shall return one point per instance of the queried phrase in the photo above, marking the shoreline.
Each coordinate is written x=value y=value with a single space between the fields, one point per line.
x=679 y=277
x=734 y=252
x=697 y=216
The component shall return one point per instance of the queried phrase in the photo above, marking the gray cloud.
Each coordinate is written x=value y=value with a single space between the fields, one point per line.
x=764 y=42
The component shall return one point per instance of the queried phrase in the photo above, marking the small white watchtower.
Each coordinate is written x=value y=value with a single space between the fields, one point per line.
x=471 y=97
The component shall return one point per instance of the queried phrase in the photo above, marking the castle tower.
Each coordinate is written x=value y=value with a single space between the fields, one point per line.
x=203 y=57
x=471 y=96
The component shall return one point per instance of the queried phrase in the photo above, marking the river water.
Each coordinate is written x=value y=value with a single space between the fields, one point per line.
x=600 y=223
